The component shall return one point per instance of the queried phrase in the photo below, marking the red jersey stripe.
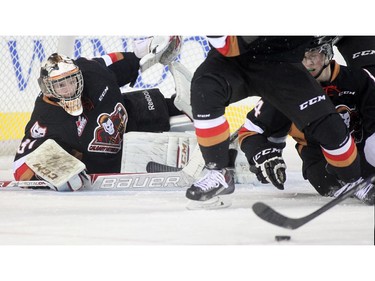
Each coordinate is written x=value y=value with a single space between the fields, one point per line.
x=211 y=132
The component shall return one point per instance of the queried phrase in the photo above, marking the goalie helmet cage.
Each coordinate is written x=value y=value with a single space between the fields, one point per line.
x=22 y=56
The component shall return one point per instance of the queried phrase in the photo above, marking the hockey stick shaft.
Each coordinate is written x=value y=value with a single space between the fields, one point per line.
x=268 y=214
x=120 y=181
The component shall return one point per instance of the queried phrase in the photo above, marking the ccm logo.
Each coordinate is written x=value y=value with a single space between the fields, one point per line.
x=265 y=152
x=363 y=53
x=311 y=102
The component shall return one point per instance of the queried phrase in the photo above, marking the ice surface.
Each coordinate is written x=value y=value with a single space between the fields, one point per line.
x=118 y=218
x=31 y=217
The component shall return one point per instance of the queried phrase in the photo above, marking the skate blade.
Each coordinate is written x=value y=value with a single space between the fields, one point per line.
x=218 y=202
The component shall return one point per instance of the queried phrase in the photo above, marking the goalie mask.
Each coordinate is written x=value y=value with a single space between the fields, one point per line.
x=62 y=81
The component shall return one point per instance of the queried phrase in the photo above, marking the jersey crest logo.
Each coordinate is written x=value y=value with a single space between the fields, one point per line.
x=352 y=121
x=38 y=131
x=108 y=134
x=81 y=124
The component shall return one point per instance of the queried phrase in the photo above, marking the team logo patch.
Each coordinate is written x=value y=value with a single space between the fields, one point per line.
x=38 y=131
x=109 y=132
x=352 y=120
x=81 y=124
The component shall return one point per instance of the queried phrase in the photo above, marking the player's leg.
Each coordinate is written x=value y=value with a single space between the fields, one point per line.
x=314 y=170
x=212 y=89
x=295 y=93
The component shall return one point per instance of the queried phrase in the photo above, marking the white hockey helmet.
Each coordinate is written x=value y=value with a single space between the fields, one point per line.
x=62 y=80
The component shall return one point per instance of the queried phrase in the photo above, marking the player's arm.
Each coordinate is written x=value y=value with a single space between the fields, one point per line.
x=262 y=139
x=125 y=65
x=358 y=51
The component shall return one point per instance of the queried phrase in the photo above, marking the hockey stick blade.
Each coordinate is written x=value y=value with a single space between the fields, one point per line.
x=268 y=214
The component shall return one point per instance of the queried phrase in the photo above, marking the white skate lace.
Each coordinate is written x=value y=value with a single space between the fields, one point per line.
x=361 y=194
x=211 y=180
x=347 y=187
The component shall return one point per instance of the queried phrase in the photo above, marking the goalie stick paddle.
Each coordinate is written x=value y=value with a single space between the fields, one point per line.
x=268 y=214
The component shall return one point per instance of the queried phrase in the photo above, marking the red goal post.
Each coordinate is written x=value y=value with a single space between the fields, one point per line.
x=21 y=58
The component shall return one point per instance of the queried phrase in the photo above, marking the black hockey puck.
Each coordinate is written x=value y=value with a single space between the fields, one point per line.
x=282 y=238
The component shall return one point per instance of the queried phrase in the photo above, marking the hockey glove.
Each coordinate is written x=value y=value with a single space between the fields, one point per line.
x=268 y=164
x=157 y=49
x=74 y=183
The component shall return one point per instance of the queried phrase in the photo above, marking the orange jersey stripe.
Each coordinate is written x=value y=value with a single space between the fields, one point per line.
x=231 y=48
x=23 y=173
x=211 y=141
x=244 y=133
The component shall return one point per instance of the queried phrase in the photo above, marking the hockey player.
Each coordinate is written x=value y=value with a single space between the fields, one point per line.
x=81 y=107
x=352 y=91
x=267 y=66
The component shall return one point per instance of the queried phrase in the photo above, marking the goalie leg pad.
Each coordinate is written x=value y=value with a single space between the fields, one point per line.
x=182 y=79
x=168 y=148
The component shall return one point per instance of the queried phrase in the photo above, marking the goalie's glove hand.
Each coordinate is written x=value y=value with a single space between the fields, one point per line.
x=157 y=49
x=74 y=183
x=268 y=164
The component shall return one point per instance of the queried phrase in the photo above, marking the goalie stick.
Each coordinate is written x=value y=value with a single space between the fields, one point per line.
x=268 y=214
x=120 y=181
x=33 y=184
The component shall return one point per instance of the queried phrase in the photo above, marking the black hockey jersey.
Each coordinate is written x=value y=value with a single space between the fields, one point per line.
x=96 y=135
x=352 y=91
x=260 y=48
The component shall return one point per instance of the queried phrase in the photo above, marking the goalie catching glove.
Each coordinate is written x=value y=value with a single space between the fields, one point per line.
x=157 y=49
x=268 y=164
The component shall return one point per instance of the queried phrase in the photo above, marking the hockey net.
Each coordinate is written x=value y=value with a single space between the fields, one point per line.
x=21 y=58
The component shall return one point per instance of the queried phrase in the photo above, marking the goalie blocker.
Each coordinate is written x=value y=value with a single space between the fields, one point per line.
x=50 y=162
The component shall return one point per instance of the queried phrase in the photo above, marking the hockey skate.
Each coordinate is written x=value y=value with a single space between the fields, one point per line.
x=210 y=192
x=365 y=194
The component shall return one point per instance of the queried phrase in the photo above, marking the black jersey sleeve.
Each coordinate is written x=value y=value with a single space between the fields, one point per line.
x=126 y=70
x=358 y=51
